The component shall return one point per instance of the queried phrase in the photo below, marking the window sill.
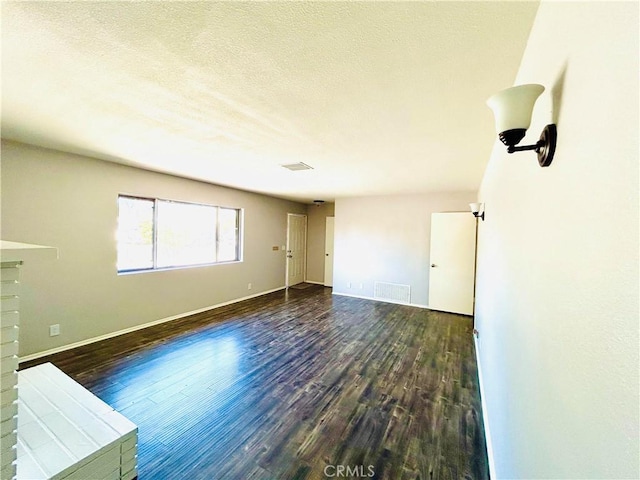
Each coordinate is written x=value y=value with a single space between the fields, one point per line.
x=183 y=267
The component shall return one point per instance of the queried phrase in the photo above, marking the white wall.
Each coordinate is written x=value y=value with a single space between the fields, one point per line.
x=387 y=239
x=70 y=202
x=557 y=287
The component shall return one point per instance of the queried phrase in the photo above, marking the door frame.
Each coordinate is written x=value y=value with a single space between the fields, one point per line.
x=459 y=263
x=328 y=220
x=286 y=266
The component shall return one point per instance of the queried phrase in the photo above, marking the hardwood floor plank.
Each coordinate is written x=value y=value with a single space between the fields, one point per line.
x=289 y=384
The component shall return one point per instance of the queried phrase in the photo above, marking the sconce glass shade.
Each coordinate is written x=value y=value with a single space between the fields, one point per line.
x=512 y=109
x=478 y=210
x=476 y=207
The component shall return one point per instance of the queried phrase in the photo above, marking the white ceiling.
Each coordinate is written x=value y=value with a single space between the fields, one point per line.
x=379 y=98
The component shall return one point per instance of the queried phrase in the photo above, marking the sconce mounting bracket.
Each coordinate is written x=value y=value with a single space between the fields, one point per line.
x=545 y=147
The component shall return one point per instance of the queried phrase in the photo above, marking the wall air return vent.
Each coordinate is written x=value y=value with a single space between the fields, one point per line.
x=297 y=166
x=392 y=292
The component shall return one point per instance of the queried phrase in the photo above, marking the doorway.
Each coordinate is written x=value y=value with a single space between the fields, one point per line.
x=452 y=259
x=296 y=249
x=328 y=252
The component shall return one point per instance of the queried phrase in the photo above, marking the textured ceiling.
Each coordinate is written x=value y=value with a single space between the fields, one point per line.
x=379 y=98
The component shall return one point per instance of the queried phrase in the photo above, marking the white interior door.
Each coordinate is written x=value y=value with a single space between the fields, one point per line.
x=296 y=248
x=452 y=258
x=328 y=252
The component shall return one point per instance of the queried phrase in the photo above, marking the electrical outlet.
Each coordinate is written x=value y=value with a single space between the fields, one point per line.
x=54 y=330
x=361 y=286
x=249 y=286
x=348 y=284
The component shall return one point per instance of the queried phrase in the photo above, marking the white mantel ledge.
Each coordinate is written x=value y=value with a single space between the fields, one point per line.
x=17 y=252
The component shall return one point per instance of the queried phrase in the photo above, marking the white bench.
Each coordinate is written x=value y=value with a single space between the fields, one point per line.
x=66 y=432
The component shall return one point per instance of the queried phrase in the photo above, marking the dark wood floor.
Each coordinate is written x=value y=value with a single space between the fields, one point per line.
x=293 y=385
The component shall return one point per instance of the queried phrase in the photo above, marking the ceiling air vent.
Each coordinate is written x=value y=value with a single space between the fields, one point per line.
x=297 y=166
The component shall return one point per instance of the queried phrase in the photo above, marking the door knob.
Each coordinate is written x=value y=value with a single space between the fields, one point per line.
x=326 y=254
x=433 y=265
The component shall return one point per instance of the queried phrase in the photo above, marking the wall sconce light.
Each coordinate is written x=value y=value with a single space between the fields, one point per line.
x=512 y=109
x=478 y=210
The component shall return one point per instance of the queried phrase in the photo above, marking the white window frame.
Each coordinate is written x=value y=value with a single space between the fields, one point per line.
x=155 y=268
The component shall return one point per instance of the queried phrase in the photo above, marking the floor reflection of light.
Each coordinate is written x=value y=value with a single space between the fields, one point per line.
x=171 y=388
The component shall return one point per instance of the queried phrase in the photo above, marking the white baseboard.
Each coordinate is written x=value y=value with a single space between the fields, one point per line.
x=417 y=305
x=81 y=343
x=315 y=283
x=485 y=413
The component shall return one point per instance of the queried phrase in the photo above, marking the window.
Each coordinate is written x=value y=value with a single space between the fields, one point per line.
x=155 y=234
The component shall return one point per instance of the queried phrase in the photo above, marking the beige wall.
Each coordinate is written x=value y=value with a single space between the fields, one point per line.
x=557 y=288
x=387 y=239
x=315 y=240
x=70 y=202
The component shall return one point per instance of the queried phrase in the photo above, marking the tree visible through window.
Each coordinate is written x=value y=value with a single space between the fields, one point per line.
x=156 y=234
